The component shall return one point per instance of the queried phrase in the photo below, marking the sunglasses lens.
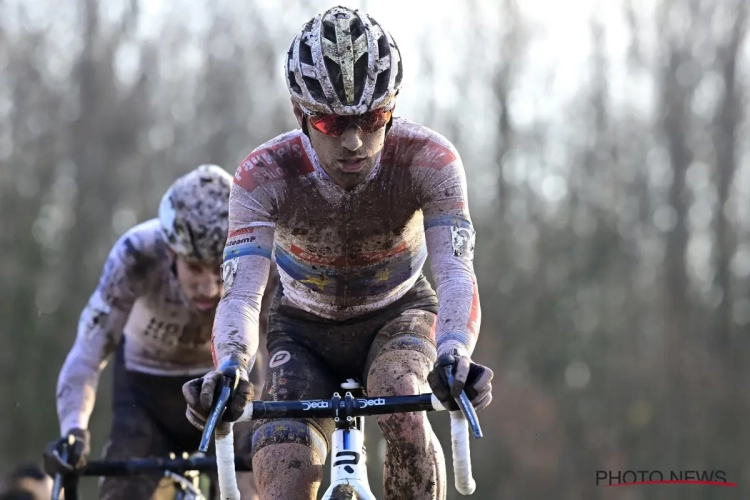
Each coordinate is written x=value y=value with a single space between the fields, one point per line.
x=332 y=125
x=335 y=125
x=374 y=120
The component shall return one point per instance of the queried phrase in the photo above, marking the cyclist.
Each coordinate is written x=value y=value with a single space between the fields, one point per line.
x=351 y=204
x=158 y=295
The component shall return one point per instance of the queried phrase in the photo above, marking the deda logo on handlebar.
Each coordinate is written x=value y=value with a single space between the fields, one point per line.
x=363 y=403
x=314 y=404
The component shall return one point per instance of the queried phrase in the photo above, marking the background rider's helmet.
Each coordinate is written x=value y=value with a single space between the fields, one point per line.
x=194 y=213
x=343 y=62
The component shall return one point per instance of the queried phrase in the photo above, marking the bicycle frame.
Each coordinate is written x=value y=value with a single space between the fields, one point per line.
x=348 y=461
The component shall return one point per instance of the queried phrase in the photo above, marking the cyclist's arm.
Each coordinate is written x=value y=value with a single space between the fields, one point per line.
x=247 y=262
x=265 y=304
x=100 y=329
x=450 y=243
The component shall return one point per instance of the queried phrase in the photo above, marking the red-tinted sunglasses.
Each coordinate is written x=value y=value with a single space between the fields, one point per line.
x=335 y=125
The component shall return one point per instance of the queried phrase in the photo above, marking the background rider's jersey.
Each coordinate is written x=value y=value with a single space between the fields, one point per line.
x=138 y=296
x=344 y=253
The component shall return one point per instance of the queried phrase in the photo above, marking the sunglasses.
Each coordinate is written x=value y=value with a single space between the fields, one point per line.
x=335 y=125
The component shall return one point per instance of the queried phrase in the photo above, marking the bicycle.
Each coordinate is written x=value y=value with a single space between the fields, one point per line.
x=348 y=469
x=184 y=473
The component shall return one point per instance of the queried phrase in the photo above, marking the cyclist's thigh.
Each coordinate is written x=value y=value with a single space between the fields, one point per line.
x=405 y=345
x=292 y=373
x=133 y=434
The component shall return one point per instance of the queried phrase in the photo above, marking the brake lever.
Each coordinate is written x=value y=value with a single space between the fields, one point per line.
x=227 y=387
x=58 y=484
x=447 y=362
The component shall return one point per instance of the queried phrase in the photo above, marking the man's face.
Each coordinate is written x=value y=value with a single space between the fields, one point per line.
x=349 y=158
x=200 y=282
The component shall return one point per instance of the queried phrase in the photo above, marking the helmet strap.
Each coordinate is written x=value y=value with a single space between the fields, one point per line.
x=389 y=125
x=304 y=126
x=173 y=261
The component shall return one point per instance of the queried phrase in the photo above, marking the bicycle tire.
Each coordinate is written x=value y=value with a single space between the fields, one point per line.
x=343 y=492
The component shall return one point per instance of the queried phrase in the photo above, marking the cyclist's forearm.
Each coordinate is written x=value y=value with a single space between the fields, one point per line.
x=99 y=331
x=236 y=332
x=459 y=313
x=236 y=327
x=458 y=302
x=76 y=396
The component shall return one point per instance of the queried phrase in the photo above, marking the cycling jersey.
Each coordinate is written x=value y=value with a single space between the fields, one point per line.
x=343 y=253
x=138 y=295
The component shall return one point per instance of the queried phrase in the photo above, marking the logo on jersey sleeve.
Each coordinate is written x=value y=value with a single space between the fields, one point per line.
x=228 y=272
x=463 y=240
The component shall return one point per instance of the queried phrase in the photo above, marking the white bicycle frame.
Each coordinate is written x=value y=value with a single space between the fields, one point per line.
x=348 y=461
x=348 y=458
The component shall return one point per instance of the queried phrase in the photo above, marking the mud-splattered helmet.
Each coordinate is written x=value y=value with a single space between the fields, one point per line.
x=343 y=62
x=194 y=213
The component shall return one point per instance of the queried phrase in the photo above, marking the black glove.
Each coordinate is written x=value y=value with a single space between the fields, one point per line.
x=76 y=444
x=200 y=394
x=474 y=379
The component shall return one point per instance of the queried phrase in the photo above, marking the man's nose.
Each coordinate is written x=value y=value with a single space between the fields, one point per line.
x=351 y=138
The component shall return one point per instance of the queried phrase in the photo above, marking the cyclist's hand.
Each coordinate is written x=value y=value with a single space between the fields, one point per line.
x=474 y=379
x=200 y=394
x=77 y=452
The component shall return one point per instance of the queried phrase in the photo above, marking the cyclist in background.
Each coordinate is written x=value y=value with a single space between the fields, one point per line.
x=154 y=306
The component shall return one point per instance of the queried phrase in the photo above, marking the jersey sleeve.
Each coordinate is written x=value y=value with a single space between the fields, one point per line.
x=247 y=262
x=450 y=240
x=100 y=329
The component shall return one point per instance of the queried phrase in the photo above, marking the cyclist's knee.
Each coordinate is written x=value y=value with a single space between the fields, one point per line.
x=401 y=428
x=287 y=471
x=300 y=432
x=401 y=373
x=398 y=373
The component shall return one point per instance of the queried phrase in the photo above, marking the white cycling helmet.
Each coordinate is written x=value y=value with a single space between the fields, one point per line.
x=343 y=62
x=194 y=213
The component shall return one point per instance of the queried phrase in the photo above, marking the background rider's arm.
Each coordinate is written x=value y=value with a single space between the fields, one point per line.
x=100 y=329
x=450 y=244
x=247 y=262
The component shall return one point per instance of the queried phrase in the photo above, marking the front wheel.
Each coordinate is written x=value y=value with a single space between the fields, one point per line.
x=343 y=492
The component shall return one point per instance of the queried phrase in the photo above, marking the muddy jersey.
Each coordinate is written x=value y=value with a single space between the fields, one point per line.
x=138 y=296
x=344 y=253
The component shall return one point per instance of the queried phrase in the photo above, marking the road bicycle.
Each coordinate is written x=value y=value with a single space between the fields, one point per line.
x=348 y=454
